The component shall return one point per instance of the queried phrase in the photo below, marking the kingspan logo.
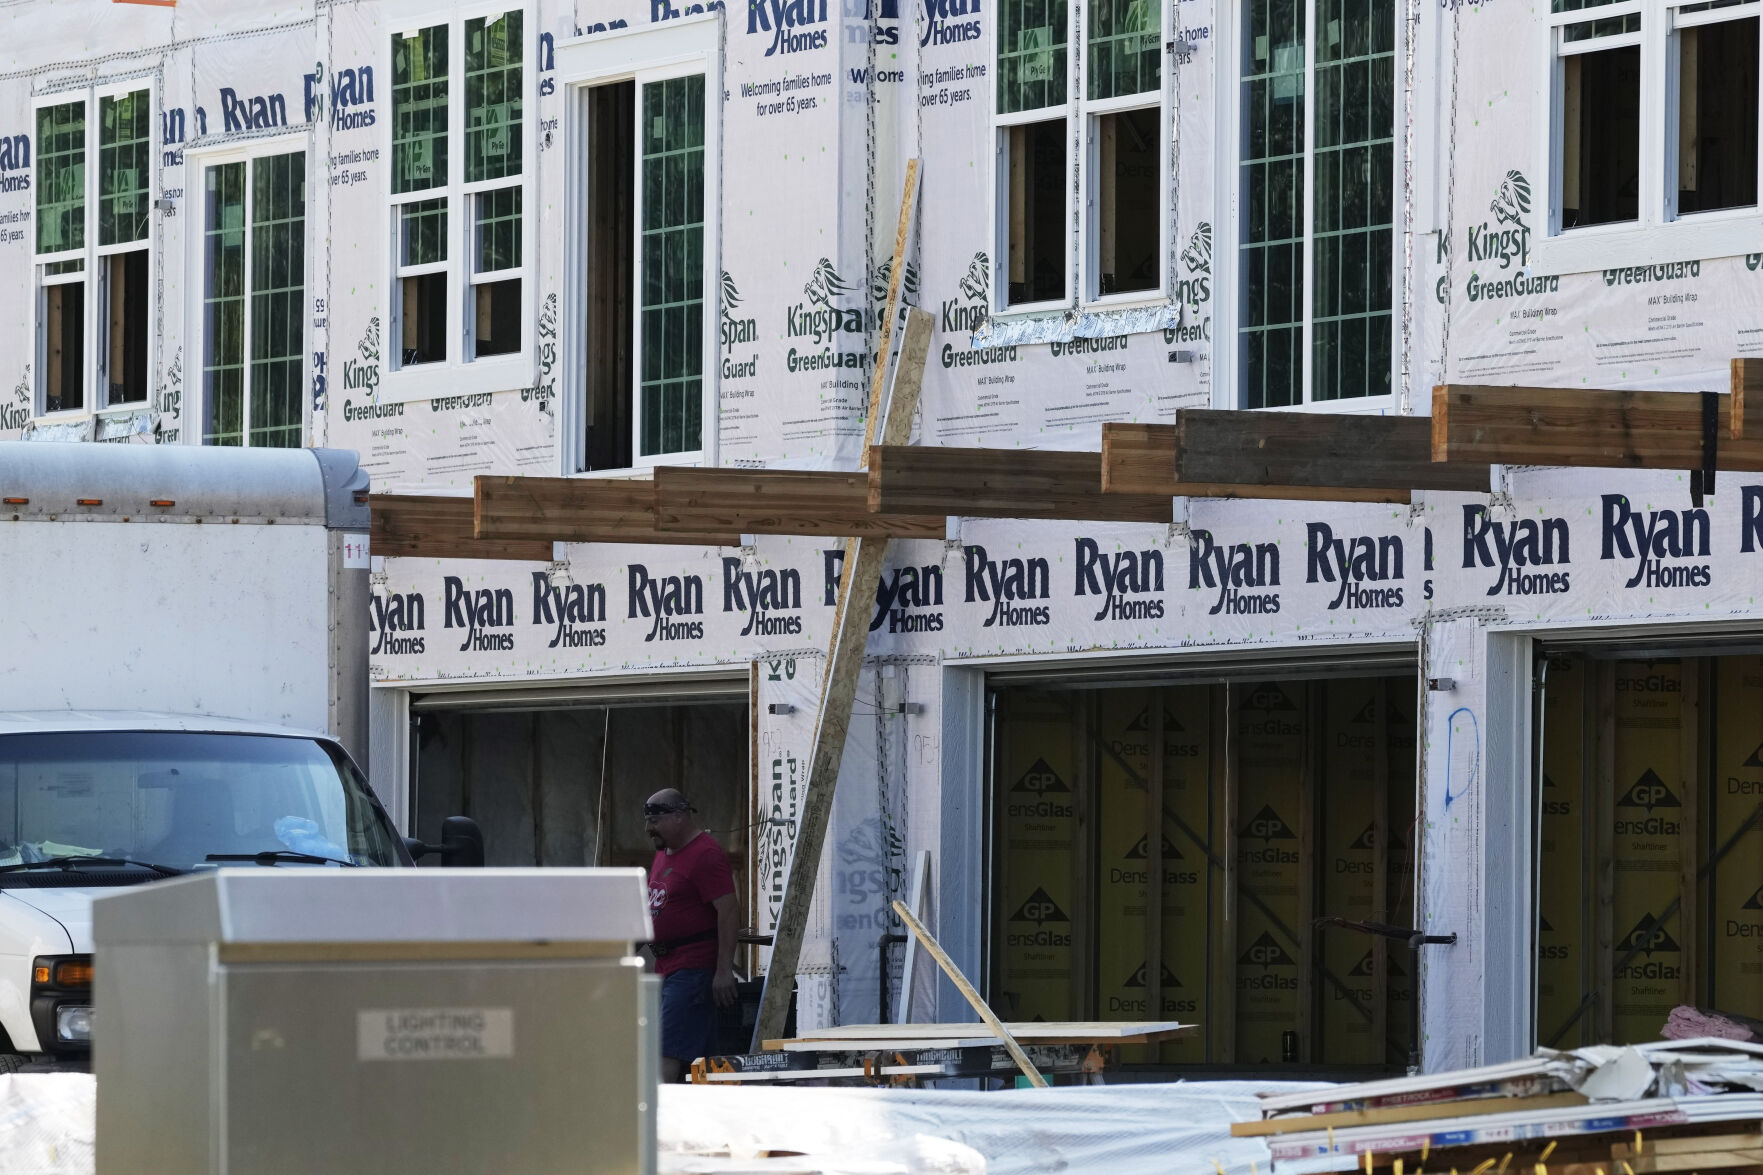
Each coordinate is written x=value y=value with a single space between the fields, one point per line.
x=1196 y=288
x=478 y=612
x=966 y=314
x=1117 y=576
x=1234 y=572
x=1044 y=913
x=947 y=22
x=760 y=594
x=901 y=596
x=883 y=273
x=1353 y=562
x=15 y=163
x=391 y=615
x=1662 y=534
x=1173 y=1005
x=1648 y=793
x=350 y=94
x=741 y=332
x=788 y=22
x=1004 y=582
x=818 y=318
x=363 y=374
x=576 y=612
x=661 y=598
x=1513 y=546
x=1507 y=238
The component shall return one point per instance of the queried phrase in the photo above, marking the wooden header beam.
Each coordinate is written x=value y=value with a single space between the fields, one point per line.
x=1747 y=398
x=1001 y=483
x=1583 y=427
x=1140 y=459
x=1316 y=449
x=777 y=501
x=432 y=527
x=580 y=510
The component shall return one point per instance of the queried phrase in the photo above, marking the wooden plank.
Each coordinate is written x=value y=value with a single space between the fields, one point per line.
x=1032 y=1031
x=1298 y=1123
x=849 y=638
x=1747 y=399
x=1687 y=1144
x=1582 y=427
x=1140 y=459
x=896 y=278
x=779 y=501
x=580 y=510
x=1316 y=449
x=1001 y=483
x=966 y=989
x=434 y=527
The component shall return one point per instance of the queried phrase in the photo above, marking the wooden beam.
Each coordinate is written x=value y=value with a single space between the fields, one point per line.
x=1316 y=449
x=416 y=526
x=1001 y=483
x=896 y=281
x=858 y=580
x=1140 y=459
x=1582 y=427
x=580 y=510
x=779 y=501
x=1747 y=398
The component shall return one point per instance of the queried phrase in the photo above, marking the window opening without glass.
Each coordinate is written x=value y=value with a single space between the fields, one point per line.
x=1316 y=226
x=419 y=165
x=61 y=240
x=124 y=172
x=611 y=193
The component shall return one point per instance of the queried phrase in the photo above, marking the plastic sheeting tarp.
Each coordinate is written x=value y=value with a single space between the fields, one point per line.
x=46 y=1124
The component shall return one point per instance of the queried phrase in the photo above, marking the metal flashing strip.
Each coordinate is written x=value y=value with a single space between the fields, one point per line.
x=648 y=690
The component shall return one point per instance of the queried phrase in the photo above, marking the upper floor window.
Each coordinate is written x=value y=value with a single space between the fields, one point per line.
x=93 y=254
x=1315 y=214
x=1104 y=107
x=457 y=190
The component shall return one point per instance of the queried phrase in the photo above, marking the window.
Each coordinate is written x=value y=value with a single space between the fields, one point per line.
x=1117 y=111
x=254 y=292
x=95 y=239
x=647 y=142
x=458 y=210
x=1315 y=222
x=1655 y=107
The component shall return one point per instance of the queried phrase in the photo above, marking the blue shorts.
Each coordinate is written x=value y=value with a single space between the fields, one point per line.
x=688 y=1015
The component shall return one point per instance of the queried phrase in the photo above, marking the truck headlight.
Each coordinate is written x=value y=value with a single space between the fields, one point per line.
x=74 y=1023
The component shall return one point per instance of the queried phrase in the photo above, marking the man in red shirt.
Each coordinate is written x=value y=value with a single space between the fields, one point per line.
x=692 y=905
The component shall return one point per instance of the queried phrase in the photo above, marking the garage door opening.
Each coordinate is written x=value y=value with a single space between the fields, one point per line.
x=565 y=786
x=1276 y=805
x=1649 y=842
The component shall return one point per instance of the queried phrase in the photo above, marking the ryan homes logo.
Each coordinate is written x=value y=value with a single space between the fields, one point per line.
x=1004 y=583
x=741 y=332
x=760 y=594
x=15 y=163
x=1044 y=914
x=1117 y=576
x=789 y=24
x=1651 y=795
x=1514 y=546
x=904 y=596
x=1648 y=938
x=1353 y=562
x=478 y=612
x=1661 y=534
x=819 y=319
x=1139 y=1003
x=391 y=617
x=348 y=95
x=1237 y=573
x=662 y=598
x=947 y=22
x=575 y=612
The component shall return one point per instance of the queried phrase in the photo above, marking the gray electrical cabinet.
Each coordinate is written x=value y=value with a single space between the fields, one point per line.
x=392 y=1021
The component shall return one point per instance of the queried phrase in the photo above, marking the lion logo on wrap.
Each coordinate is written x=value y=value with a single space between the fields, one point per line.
x=1198 y=255
x=825 y=284
x=978 y=279
x=1512 y=202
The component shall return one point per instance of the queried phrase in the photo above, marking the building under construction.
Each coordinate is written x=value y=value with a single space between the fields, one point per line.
x=1361 y=740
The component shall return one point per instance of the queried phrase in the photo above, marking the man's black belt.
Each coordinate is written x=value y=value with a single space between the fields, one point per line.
x=665 y=946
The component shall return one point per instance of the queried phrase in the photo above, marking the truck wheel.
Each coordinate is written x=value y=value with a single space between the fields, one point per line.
x=12 y=1062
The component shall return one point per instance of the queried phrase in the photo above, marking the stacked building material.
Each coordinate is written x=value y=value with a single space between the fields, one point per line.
x=1689 y=1106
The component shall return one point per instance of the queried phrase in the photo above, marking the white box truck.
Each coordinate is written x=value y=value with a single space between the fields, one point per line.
x=183 y=682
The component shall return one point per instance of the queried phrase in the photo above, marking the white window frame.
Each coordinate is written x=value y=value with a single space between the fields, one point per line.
x=678 y=47
x=459 y=373
x=1659 y=235
x=1083 y=231
x=197 y=161
x=1227 y=228
x=94 y=273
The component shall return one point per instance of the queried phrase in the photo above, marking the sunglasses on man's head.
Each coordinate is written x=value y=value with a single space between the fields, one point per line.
x=664 y=809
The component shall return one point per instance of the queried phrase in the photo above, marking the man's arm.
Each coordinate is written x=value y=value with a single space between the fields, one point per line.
x=728 y=917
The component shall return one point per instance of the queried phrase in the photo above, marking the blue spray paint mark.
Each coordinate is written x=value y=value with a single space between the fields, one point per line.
x=1451 y=796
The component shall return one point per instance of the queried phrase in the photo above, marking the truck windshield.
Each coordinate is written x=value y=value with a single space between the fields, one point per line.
x=173 y=798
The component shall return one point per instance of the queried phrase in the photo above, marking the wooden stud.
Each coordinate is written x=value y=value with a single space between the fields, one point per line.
x=1582 y=427
x=580 y=510
x=1747 y=398
x=1001 y=483
x=1154 y=791
x=1603 y=1011
x=1315 y=449
x=1384 y=1115
x=1140 y=459
x=890 y=305
x=779 y=501
x=435 y=527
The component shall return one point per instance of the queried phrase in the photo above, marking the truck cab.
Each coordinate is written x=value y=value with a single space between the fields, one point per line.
x=95 y=800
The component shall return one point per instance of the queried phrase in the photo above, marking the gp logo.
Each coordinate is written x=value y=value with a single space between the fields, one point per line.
x=1039 y=909
x=1265 y=952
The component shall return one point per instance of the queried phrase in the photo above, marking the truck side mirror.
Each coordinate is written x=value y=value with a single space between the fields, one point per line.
x=461 y=847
